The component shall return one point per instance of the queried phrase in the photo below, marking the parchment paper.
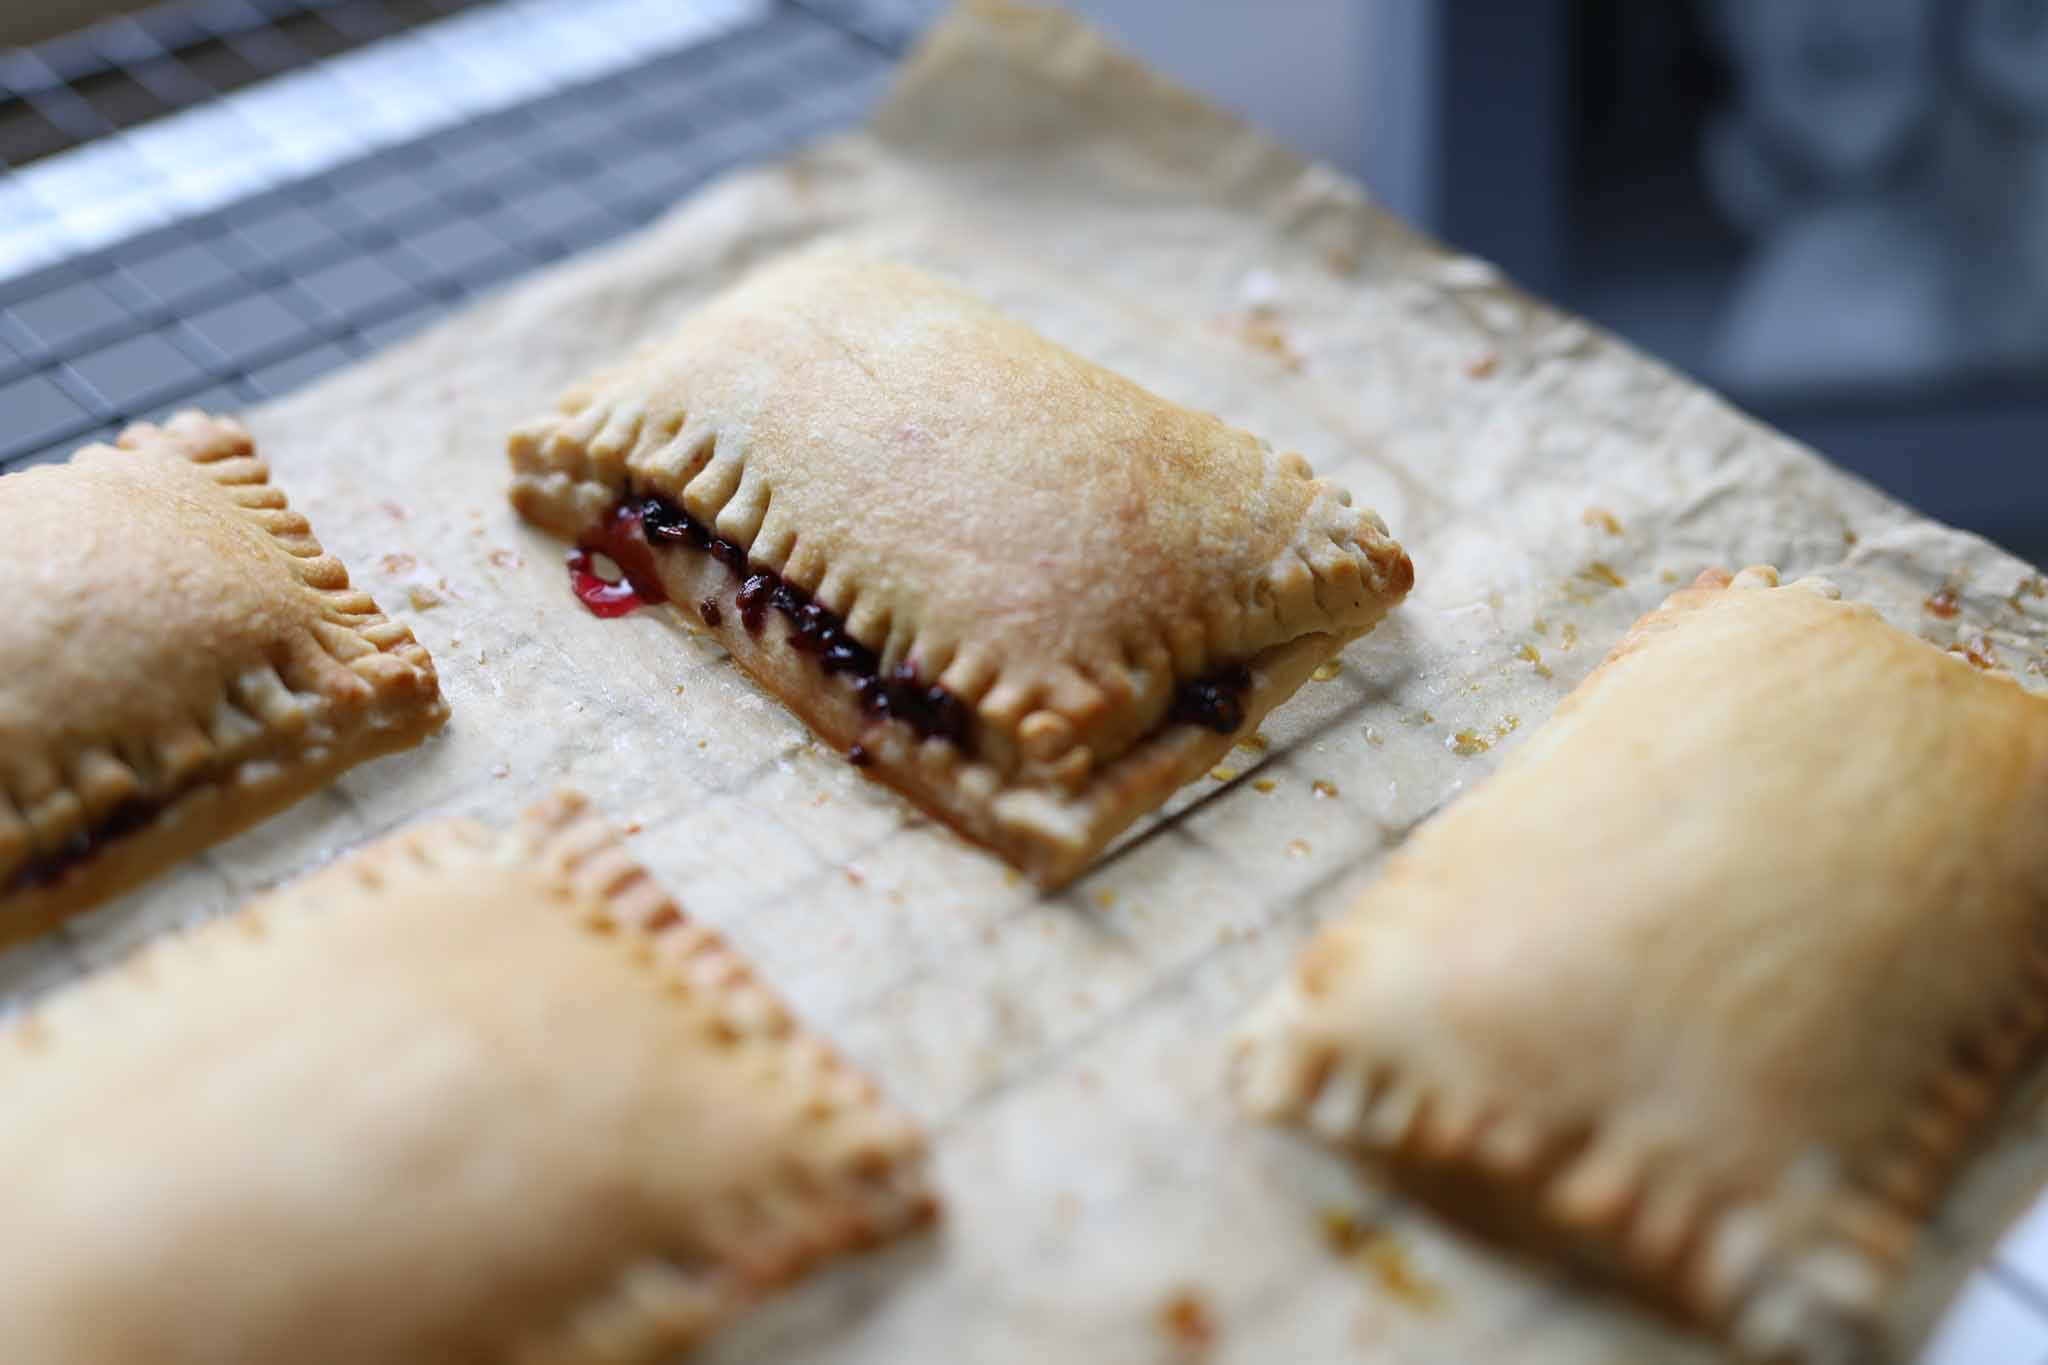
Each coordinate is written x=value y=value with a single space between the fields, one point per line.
x=1105 y=1202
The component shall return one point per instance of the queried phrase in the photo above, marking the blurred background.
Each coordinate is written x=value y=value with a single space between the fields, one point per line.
x=1835 y=211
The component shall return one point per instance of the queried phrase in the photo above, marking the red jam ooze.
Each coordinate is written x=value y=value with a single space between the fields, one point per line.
x=638 y=526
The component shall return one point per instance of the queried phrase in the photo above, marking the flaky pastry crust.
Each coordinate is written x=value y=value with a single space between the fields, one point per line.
x=1048 y=542
x=465 y=1095
x=1716 y=978
x=178 y=659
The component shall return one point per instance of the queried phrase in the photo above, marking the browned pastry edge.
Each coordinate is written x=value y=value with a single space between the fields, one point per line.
x=656 y=1306
x=1800 y=1289
x=383 y=689
x=855 y=1178
x=1051 y=837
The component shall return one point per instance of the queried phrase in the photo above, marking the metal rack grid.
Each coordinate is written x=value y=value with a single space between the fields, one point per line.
x=378 y=225
x=243 y=302
x=128 y=70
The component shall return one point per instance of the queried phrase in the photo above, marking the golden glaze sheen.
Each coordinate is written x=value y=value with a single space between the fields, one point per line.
x=1718 y=973
x=464 y=1096
x=1051 y=543
x=175 y=644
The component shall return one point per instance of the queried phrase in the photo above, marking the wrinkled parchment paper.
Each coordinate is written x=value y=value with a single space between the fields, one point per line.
x=1105 y=1203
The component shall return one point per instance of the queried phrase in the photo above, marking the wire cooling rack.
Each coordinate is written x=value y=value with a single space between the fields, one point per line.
x=284 y=231
x=211 y=203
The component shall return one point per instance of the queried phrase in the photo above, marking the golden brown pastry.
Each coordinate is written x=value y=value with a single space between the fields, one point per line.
x=178 y=660
x=1715 y=979
x=465 y=1096
x=1015 y=586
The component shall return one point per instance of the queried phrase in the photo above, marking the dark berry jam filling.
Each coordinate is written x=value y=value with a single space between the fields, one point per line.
x=638 y=524
x=1214 y=701
x=48 y=869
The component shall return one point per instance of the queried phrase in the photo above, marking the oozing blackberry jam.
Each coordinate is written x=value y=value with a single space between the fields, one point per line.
x=1214 y=701
x=637 y=524
x=50 y=868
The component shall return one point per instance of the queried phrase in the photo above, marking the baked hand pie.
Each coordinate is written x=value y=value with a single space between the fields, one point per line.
x=1716 y=979
x=464 y=1096
x=1027 y=593
x=178 y=660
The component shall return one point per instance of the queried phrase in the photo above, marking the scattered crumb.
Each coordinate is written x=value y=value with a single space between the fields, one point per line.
x=702 y=743
x=1327 y=670
x=1541 y=626
x=1297 y=848
x=1466 y=743
x=422 y=599
x=633 y=827
x=1374 y=737
x=1376 y=1250
x=398 y=564
x=1262 y=333
x=1667 y=576
x=1011 y=876
x=1530 y=654
x=1420 y=718
x=1601 y=572
x=1602 y=518
x=854 y=876
x=2036 y=587
x=1389 y=1263
x=679 y=689
x=1326 y=791
x=1186 y=1321
x=1482 y=367
x=1848 y=537
x=1105 y=898
x=506 y=559
x=1571 y=635
x=1222 y=774
x=1946 y=603
x=1978 y=650
x=1343 y=1231
x=1264 y=784
x=1256 y=742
